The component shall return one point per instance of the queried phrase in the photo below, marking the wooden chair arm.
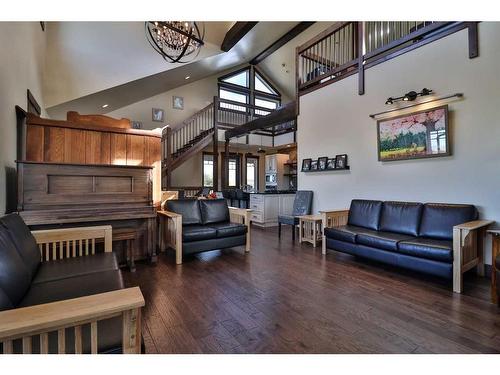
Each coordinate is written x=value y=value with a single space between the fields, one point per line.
x=334 y=218
x=72 y=242
x=473 y=225
x=169 y=214
x=242 y=216
x=57 y=316
x=170 y=230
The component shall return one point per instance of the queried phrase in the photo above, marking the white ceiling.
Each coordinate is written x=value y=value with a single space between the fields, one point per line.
x=113 y=63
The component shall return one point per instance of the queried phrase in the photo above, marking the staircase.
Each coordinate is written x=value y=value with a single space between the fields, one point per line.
x=181 y=143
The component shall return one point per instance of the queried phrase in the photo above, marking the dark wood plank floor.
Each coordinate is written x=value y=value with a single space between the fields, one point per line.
x=285 y=298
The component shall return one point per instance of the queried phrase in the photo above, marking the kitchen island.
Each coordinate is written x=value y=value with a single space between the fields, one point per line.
x=267 y=206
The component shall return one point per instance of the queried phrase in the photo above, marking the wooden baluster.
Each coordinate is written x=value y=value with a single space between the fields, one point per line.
x=68 y=244
x=74 y=249
x=61 y=341
x=87 y=246
x=78 y=340
x=80 y=248
x=93 y=337
x=93 y=246
x=40 y=246
x=61 y=254
x=54 y=254
x=27 y=345
x=8 y=347
x=44 y=343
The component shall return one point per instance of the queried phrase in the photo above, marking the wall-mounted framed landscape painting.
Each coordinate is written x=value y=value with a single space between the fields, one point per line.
x=418 y=135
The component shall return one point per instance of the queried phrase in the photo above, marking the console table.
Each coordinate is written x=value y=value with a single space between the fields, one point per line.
x=310 y=229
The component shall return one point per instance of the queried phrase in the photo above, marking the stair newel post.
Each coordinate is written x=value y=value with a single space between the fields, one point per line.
x=168 y=156
x=216 y=144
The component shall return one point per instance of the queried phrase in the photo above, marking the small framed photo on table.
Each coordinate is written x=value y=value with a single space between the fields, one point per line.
x=331 y=163
x=322 y=163
x=341 y=161
x=306 y=165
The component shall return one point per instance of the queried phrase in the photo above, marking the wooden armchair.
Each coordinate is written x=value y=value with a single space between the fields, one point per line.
x=35 y=321
x=170 y=229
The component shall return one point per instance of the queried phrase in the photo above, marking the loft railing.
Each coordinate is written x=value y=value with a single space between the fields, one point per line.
x=351 y=47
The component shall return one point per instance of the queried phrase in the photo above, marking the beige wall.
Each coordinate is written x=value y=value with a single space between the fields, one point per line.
x=21 y=66
x=334 y=120
x=197 y=95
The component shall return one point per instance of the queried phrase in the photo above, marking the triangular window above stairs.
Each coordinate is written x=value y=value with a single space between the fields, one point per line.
x=239 y=79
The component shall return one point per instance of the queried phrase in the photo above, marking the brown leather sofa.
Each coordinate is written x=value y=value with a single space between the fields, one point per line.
x=56 y=270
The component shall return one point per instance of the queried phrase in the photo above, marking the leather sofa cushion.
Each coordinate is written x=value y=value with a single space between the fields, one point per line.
x=197 y=233
x=381 y=240
x=288 y=219
x=229 y=229
x=401 y=217
x=15 y=278
x=73 y=287
x=365 y=213
x=5 y=302
x=438 y=219
x=428 y=248
x=213 y=244
x=71 y=267
x=23 y=241
x=188 y=208
x=346 y=233
x=214 y=211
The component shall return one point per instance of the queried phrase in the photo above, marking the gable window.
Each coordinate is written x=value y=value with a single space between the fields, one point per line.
x=248 y=86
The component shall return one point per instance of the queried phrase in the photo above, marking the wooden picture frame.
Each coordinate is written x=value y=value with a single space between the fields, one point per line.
x=330 y=164
x=412 y=135
x=341 y=161
x=177 y=102
x=158 y=115
x=322 y=163
x=306 y=165
x=314 y=165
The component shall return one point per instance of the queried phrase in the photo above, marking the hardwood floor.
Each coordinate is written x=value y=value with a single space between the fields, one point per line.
x=285 y=298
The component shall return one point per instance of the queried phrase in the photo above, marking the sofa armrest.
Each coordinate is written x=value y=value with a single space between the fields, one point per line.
x=330 y=219
x=468 y=250
x=72 y=242
x=22 y=323
x=242 y=216
x=170 y=231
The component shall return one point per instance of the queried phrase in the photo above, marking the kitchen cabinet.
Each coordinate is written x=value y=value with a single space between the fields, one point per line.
x=266 y=208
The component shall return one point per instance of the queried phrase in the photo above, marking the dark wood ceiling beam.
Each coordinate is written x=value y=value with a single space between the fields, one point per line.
x=235 y=34
x=300 y=27
x=286 y=113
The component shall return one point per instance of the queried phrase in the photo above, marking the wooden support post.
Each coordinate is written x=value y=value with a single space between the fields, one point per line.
x=216 y=145
x=226 y=161
x=473 y=40
x=178 y=239
x=168 y=158
x=361 y=67
x=457 y=261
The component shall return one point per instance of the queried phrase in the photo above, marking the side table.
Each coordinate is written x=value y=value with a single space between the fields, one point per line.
x=310 y=229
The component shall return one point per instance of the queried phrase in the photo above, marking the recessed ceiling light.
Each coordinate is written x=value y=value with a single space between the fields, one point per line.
x=105 y=105
x=187 y=77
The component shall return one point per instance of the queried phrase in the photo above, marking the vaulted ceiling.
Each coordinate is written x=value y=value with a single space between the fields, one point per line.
x=90 y=63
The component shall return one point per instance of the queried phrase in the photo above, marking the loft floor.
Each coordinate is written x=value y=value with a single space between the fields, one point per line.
x=286 y=298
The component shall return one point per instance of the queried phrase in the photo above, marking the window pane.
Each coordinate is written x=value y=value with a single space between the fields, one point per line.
x=208 y=170
x=240 y=79
x=266 y=104
x=234 y=96
x=261 y=85
x=251 y=173
x=232 y=173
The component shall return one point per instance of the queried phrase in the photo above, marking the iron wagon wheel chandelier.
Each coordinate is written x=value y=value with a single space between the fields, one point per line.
x=175 y=40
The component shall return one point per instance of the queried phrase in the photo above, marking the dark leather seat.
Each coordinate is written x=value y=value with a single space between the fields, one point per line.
x=428 y=248
x=192 y=233
x=288 y=219
x=25 y=281
x=407 y=234
x=71 y=267
x=207 y=225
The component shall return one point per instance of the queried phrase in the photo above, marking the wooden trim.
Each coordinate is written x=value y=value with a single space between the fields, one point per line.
x=20 y=162
x=35 y=120
x=235 y=34
x=284 y=39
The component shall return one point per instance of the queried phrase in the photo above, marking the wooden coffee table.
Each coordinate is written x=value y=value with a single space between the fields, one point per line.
x=310 y=229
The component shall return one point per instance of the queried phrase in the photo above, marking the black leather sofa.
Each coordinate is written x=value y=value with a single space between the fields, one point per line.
x=26 y=281
x=411 y=235
x=207 y=225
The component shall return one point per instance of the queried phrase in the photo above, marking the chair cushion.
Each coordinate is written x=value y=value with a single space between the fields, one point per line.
x=365 y=213
x=71 y=267
x=197 y=233
x=188 y=208
x=438 y=219
x=214 y=211
x=401 y=217
x=302 y=203
x=381 y=240
x=23 y=241
x=229 y=229
x=346 y=233
x=73 y=287
x=15 y=277
x=288 y=219
x=428 y=248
